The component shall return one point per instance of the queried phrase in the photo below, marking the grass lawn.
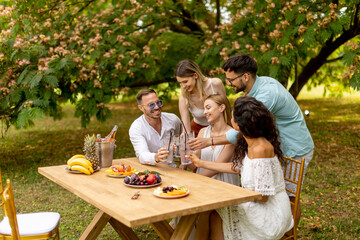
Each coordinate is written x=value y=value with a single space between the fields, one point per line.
x=330 y=196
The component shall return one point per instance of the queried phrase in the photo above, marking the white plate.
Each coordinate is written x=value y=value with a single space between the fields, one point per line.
x=75 y=171
x=121 y=175
x=118 y=176
x=142 y=186
x=175 y=196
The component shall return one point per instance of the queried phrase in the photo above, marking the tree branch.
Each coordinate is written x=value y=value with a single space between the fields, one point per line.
x=330 y=46
x=140 y=27
x=315 y=63
x=188 y=21
x=151 y=83
x=334 y=59
x=355 y=24
x=218 y=13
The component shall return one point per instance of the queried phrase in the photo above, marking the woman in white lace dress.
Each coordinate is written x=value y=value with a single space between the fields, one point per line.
x=218 y=114
x=257 y=158
x=195 y=87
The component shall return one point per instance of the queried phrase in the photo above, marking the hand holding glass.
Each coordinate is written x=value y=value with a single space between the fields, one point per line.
x=169 y=147
x=185 y=148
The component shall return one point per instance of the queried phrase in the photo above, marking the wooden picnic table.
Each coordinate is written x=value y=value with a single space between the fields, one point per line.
x=113 y=199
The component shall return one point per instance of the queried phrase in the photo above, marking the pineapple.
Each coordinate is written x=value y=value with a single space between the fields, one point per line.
x=90 y=150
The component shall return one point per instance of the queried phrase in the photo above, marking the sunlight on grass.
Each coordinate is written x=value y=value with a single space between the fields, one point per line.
x=317 y=92
x=330 y=194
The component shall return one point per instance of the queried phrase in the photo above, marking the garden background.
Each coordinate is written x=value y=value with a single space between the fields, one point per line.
x=71 y=67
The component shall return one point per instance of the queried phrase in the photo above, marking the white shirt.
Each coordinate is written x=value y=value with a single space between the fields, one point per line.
x=147 y=141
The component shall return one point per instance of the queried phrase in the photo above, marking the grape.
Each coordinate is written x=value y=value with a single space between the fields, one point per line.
x=134 y=177
x=158 y=178
x=127 y=180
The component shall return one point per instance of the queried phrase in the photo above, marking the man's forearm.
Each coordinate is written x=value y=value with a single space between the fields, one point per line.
x=219 y=140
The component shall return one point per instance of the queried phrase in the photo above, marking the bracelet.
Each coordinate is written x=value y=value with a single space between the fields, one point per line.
x=212 y=141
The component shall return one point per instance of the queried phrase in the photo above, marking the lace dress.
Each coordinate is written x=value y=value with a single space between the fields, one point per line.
x=257 y=220
x=210 y=154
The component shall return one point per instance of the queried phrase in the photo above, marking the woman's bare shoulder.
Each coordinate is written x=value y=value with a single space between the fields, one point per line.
x=216 y=81
x=201 y=132
x=263 y=151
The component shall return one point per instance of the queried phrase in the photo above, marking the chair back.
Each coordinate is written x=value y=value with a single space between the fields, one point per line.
x=10 y=210
x=293 y=172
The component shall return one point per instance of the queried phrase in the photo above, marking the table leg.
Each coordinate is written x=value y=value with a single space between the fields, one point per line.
x=184 y=228
x=96 y=226
x=163 y=229
x=124 y=231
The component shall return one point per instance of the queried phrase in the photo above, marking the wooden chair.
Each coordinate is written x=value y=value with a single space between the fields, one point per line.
x=293 y=172
x=30 y=226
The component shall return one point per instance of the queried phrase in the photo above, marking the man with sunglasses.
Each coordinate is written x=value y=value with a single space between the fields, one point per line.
x=153 y=127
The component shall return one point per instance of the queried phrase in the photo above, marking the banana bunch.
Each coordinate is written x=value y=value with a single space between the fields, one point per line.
x=79 y=163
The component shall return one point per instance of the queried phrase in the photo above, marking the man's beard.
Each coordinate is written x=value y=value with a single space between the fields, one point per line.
x=239 y=89
x=149 y=114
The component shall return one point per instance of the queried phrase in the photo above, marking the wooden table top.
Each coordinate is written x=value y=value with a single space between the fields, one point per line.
x=114 y=198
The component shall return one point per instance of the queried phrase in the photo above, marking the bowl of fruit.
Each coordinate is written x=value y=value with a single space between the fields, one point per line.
x=143 y=179
x=120 y=171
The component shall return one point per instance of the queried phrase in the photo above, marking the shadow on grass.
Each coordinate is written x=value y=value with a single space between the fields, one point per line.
x=329 y=196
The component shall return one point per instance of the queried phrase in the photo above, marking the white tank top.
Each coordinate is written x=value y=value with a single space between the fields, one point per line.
x=198 y=113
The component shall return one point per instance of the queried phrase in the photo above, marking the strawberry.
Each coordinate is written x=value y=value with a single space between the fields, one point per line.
x=151 y=179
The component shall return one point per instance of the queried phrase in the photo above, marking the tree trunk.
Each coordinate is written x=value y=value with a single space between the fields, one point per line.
x=315 y=63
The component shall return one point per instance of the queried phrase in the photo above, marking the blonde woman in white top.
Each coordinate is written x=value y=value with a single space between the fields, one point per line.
x=195 y=88
x=218 y=113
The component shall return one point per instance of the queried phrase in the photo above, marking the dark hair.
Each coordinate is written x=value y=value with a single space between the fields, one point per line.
x=241 y=63
x=143 y=92
x=254 y=121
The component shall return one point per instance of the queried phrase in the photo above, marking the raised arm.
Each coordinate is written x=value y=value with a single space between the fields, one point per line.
x=200 y=142
x=184 y=113
x=224 y=157
x=225 y=167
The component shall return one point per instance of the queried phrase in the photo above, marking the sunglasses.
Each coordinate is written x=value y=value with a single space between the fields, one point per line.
x=152 y=106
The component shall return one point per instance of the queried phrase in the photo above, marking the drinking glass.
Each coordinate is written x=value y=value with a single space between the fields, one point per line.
x=170 y=147
x=177 y=144
x=185 y=148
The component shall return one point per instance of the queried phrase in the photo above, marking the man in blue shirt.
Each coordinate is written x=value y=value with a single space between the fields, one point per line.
x=296 y=141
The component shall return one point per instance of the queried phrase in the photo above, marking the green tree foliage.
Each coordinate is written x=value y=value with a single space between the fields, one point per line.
x=88 y=52
x=293 y=40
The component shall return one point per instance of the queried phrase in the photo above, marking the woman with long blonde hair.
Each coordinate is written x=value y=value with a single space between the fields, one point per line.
x=217 y=111
x=195 y=87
